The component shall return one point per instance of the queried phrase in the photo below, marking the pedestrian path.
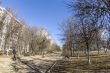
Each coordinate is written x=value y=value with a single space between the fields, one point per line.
x=5 y=64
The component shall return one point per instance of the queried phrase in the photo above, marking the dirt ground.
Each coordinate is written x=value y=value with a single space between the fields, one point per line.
x=28 y=64
x=5 y=64
x=38 y=64
x=99 y=64
x=35 y=64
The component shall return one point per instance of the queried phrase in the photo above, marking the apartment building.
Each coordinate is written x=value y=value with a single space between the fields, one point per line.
x=9 y=31
x=5 y=20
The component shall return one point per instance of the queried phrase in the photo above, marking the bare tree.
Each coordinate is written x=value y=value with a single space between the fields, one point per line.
x=91 y=15
x=40 y=41
x=55 y=47
x=67 y=28
x=24 y=40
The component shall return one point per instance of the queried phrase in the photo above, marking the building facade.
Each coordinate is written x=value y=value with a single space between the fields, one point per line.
x=10 y=30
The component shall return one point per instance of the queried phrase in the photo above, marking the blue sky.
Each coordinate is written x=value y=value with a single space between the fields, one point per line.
x=47 y=13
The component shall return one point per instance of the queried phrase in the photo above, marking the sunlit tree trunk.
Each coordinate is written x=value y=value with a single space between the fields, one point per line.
x=88 y=55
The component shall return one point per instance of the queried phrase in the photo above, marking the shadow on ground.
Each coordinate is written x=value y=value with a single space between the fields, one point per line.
x=24 y=66
x=31 y=66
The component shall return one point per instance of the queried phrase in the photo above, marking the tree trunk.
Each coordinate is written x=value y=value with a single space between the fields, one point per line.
x=105 y=50
x=98 y=47
x=85 y=51
x=71 y=51
x=43 y=54
x=70 y=47
x=78 y=53
x=98 y=51
x=88 y=53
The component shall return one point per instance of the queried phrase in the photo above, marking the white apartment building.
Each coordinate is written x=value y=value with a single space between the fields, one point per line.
x=5 y=23
x=7 y=43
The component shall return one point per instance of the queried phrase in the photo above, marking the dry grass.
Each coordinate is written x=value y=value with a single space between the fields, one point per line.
x=99 y=64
